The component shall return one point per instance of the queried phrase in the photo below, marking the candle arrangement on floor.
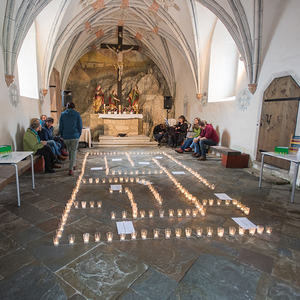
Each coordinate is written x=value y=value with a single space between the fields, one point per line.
x=129 y=159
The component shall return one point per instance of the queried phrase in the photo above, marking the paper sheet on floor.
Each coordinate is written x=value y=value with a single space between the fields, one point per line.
x=125 y=227
x=116 y=187
x=244 y=223
x=223 y=196
x=178 y=172
x=116 y=159
x=97 y=169
x=158 y=157
x=144 y=163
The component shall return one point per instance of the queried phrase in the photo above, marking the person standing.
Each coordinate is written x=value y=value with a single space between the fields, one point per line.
x=70 y=127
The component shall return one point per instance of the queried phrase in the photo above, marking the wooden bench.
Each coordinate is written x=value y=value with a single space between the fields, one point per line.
x=231 y=158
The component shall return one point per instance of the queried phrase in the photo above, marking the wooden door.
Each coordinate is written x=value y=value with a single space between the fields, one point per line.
x=55 y=95
x=278 y=118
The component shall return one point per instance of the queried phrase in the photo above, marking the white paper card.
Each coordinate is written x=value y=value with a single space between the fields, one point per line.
x=145 y=183
x=178 y=172
x=223 y=196
x=144 y=163
x=158 y=157
x=244 y=223
x=116 y=187
x=125 y=227
x=96 y=169
x=116 y=159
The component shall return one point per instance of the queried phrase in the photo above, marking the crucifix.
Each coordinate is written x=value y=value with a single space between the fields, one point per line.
x=119 y=49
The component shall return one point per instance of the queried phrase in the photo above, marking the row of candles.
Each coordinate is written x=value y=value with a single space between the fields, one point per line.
x=136 y=172
x=194 y=173
x=130 y=153
x=69 y=204
x=132 y=203
x=154 y=192
x=129 y=159
x=106 y=166
x=177 y=233
x=111 y=180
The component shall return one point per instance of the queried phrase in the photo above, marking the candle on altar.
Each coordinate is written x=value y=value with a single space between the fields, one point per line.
x=92 y=204
x=122 y=237
x=124 y=214
x=113 y=215
x=241 y=231
x=171 y=213
x=219 y=202
x=211 y=202
x=209 y=231
x=252 y=231
x=161 y=213
x=151 y=214
x=195 y=212
x=187 y=212
x=142 y=214
x=179 y=213
x=83 y=204
x=76 y=204
x=133 y=236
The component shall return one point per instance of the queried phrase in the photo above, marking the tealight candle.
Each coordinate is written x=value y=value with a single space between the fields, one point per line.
x=59 y=233
x=179 y=213
x=55 y=241
x=133 y=236
x=110 y=180
x=84 y=181
x=83 y=204
x=227 y=202
x=122 y=237
x=252 y=231
x=178 y=233
x=113 y=172
x=97 y=180
x=90 y=180
x=99 y=204
x=71 y=239
x=187 y=212
x=137 y=179
x=126 y=179
x=167 y=233
x=97 y=237
x=268 y=229
x=142 y=214
x=156 y=233
x=92 y=204
x=219 y=202
x=86 y=238
x=76 y=204
x=209 y=231
x=260 y=229
x=103 y=180
x=144 y=234
x=188 y=232
x=110 y=191
x=220 y=231
x=131 y=179
x=120 y=191
x=238 y=204
x=120 y=172
x=125 y=172
x=234 y=201
x=113 y=215
x=247 y=210
x=203 y=212
x=124 y=214
x=232 y=230
x=211 y=202
x=151 y=214
x=241 y=231
x=204 y=202
x=161 y=213
x=121 y=179
x=199 y=231
x=195 y=212
x=109 y=236
x=171 y=213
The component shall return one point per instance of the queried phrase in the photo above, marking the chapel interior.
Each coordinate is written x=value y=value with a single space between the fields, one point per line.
x=139 y=217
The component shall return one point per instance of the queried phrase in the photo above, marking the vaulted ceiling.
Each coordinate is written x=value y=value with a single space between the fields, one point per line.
x=67 y=29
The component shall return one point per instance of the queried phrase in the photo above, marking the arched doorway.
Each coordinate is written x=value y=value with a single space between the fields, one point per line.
x=55 y=95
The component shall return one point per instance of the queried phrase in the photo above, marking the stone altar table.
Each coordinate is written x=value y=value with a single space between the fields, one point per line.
x=113 y=124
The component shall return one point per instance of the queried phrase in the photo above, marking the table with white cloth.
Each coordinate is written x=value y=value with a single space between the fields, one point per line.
x=13 y=159
x=86 y=136
x=290 y=157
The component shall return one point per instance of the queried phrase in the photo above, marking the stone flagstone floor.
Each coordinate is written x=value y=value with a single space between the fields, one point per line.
x=240 y=267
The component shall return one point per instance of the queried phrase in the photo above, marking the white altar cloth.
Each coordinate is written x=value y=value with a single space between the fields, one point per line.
x=120 y=116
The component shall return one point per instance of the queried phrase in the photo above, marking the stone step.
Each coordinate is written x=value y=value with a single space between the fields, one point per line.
x=132 y=141
x=133 y=137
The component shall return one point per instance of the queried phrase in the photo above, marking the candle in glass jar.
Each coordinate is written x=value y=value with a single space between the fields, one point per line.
x=121 y=179
x=199 y=231
x=76 y=204
x=268 y=229
x=124 y=214
x=83 y=181
x=241 y=231
x=109 y=236
x=111 y=191
x=103 y=180
x=126 y=179
x=97 y=180
x=203 y=212
x=178 y=233
x=171 y=213
x=133 y=236
x=167 y=233
x=97 y=237
x=211 y=202
x=113 y=215
x=204 y=202
x=232 y=230
x=219 y=202
x=151 y=214
x=99 y=204
x=131 y=179
x=252 y=231
x=144 y=234
x=92 y=204
x=220 y=231
x=209 y=231
x=110 y=180
x=55 y=241
x=187 y=212
x=122 y=237
x=83 y=204
x=142 y=214
x=179 y=213
x=90 y=180
x=195 y=212
x=156 y=233
x=247 y=210
x=260 y=229
x=161 y=213
x=71 y=239
x=86 y=238
x=188 y=232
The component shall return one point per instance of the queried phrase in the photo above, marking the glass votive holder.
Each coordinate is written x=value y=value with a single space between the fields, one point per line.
x=194 y=212
x=124 y=214
x=120 y=172
x=204 y=202
x=167 y=233
x=90 y=180
x=97 y=180
x=219 y=202
x=227 y=202
x=92 y=204
x=232 y=230
x=113 y=172
x=97 y=237
x=144 y=234
x=84 y=181
x=268 y=229
x=122 y=236
x=121 y=179
x=161 y=213
x=187 y=212
x=234 y=201
x=113 y=215
x=116 y=180
x=142 y=214
x=199 y=231
x=238 y=204
x=126 y=179
x=76 y=204
x=179 y=213
x=103 y=180
x=110 y=191
x=211 y=202
x=247 y=210
x=220 y=231
x=203 y=212
x=137 y=179
x=109 y=236
x=99 y=204
x=59 y=233
x=55 y=241
x=156 y=233
x=131 y=179
x=86 y=238
x=71 y=239
x=260 y=229
x=83 y=204
x=151 y=214
x=133 y=236
x=178 y=233
x=109 y=180
x=252 y=231
x=209 y=231
x=171 y=213
x=188 y=232
x=241 y=231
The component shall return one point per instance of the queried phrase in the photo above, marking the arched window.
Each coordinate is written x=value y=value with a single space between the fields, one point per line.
x=27 y=66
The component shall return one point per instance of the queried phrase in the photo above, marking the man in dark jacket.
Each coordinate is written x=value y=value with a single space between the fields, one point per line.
x=159 y=132
x=70 y=127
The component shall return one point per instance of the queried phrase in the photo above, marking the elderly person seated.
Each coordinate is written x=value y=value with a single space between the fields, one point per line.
x=32 y=142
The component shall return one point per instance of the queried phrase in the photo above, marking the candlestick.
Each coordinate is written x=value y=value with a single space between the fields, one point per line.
x=109 y=236
x=144 y=234
x=167 y=233
x=86 y=238
x=188 y=232
x=97 y=237
x=178 y=233
x=156 y=233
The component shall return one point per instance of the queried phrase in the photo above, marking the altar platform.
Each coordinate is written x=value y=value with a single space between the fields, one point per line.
x=128 y=141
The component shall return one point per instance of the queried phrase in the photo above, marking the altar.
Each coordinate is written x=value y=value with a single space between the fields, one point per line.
x=129 y=124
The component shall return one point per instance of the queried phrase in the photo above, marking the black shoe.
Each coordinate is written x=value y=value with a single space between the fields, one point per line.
x=57 y=161
x=50 y=171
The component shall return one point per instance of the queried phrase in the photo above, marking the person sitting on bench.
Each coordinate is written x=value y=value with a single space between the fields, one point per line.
x=208 y=137
x=178 y=132
x=196 y=130
x=159 y=132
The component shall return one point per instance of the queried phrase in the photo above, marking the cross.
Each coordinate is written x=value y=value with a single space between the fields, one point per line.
x=120 y=49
